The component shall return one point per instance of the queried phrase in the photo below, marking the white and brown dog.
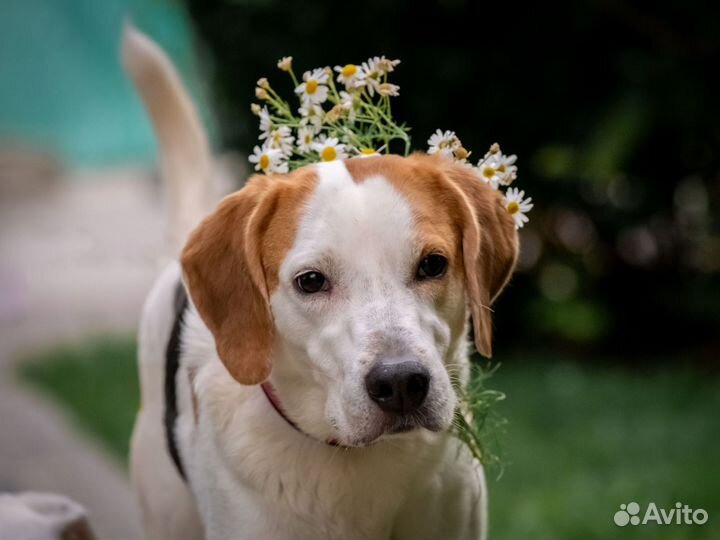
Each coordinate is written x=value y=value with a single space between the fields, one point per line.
x=298 y=365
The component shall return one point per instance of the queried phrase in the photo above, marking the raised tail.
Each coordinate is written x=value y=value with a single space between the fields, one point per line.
x=186 y=163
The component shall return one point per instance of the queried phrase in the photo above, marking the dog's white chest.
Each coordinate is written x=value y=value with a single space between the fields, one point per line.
x=254 y=476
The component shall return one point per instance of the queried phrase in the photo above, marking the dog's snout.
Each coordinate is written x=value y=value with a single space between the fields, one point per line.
x=398 y=386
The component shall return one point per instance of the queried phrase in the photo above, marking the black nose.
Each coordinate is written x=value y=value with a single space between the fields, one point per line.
x=398 y=386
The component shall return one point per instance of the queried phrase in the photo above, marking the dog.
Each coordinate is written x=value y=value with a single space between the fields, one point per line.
x=299 y=363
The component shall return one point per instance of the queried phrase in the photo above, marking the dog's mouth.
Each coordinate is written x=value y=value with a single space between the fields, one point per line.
x=397 y=426
x=404 y=424
x=402 y=428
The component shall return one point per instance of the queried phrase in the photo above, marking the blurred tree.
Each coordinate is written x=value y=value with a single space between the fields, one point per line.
x=612 y=107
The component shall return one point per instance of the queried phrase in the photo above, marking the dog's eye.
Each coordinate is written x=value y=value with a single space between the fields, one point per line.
x=311 y=282
x=432 y=266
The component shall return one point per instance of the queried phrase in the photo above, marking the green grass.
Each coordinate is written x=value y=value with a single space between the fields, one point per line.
x=97 y=382
x=580 y=440
x=583 y=440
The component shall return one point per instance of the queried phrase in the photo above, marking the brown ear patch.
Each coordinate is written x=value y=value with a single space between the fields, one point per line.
x=490 y=248
x=230 y=266
x=451 y=200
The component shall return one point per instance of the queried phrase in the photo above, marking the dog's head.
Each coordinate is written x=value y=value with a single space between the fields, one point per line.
x=350 y=282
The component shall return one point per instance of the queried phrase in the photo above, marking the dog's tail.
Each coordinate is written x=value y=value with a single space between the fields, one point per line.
x=186 y=161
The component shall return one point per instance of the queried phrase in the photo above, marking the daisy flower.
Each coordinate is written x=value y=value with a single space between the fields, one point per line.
x=306 y=139
x=506 y=168
x=373 y=71
x=265 y=123
x=443 y=143
x=347 y=101
x=517 y=206
x=268 y=160
x=350 y=75
x=313 y=90
x=330 y=149
x=488 y=168
x=311 y=114
x=372 y=75
x=281 y=139
x=496 y=168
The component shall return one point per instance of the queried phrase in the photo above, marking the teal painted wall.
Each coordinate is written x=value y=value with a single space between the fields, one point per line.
x=62 y=89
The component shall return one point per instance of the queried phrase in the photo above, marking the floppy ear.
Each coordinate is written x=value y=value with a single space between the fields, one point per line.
x=223 y=271
x=490 y=248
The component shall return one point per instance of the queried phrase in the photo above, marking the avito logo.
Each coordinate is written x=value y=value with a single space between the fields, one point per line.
x=681 y=514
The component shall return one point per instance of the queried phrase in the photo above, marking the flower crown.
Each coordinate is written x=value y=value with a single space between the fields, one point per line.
x=358 y=122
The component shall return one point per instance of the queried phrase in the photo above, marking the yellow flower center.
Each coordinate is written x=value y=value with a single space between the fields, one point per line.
x=308 y=139
x=311 y=87
x=488 y=172
x=513 y=208
x=367 y=151
x=349 y=70
x=328 y=154
x=264 y=162
x=501 y=168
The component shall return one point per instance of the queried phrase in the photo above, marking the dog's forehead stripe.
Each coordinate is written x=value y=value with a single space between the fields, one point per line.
x=366 y=223
x=424 y=187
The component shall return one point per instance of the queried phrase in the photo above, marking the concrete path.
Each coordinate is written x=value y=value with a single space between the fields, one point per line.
x=77 y=256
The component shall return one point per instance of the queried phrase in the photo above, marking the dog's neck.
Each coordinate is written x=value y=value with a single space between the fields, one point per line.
x=271 y=394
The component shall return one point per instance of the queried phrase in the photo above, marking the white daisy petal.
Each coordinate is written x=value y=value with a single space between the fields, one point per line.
x=268 y=160
x=517 y=206
x=311 y=114
x=351 y=75
x=313 y=90
x=330 y=149
x=265 y=123
x=306 y=139
x=444 y=143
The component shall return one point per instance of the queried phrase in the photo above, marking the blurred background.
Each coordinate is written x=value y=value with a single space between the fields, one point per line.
x=608 y=336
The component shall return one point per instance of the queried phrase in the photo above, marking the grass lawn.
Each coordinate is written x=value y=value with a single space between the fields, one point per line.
x=97 y=382
x=580 y=440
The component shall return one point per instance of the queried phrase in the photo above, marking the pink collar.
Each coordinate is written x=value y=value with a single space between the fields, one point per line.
x=272 y=397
